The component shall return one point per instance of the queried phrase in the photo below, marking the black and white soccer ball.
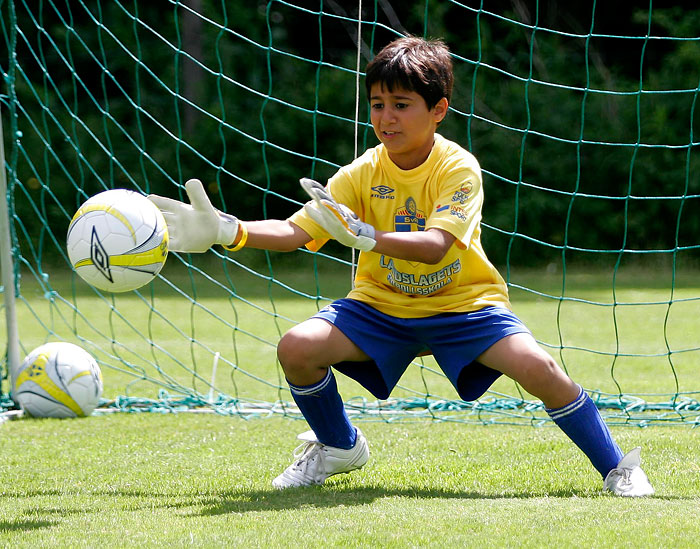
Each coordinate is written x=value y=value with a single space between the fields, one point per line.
x=117 y=240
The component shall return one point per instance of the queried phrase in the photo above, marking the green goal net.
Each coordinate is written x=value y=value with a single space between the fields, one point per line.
x=584 y=118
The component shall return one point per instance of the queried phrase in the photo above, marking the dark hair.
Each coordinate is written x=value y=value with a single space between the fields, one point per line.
x=415 y=64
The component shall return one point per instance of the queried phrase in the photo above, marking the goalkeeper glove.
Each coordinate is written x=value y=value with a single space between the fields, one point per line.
x=197 y=226
x=339 y=220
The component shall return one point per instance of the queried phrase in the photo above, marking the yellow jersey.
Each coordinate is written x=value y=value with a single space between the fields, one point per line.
x=444 y=192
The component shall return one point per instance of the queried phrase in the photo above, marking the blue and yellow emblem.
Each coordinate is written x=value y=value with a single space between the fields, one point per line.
x=409 y=217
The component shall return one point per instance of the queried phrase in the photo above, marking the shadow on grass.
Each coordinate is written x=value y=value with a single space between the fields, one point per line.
x=341 y=493
x=337 y=495
x=23 y=524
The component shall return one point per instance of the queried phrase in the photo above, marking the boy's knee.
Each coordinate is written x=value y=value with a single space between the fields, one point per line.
x=547 y=365
x=546 y=380
x=543 y=369
x=296 y=356
x=298 y=349
x=290 y=350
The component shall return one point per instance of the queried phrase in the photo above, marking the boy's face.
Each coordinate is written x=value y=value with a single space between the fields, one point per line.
x=404 y=124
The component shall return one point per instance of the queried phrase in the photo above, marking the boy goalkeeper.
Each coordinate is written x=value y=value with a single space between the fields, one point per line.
x=412 y=206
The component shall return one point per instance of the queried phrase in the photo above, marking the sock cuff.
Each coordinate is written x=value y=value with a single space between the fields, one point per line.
x=315 y=388
x=571 y=408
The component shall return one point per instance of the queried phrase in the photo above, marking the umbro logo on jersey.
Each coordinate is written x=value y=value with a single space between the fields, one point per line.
x=383 y=191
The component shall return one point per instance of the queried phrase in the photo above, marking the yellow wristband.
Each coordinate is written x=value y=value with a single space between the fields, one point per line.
x=241 y=241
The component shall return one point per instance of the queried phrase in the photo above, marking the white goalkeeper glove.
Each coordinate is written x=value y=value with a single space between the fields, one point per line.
x=197 y=226
x=339 y=220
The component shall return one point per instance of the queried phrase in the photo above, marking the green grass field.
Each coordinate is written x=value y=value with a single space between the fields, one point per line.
x=153 y=480
x=202 y=479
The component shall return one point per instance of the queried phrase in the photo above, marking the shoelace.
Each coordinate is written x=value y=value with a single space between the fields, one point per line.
x=625 y=475
x=305 y=453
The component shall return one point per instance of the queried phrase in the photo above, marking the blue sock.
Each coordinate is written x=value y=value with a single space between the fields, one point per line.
x=582 y=423
x=323 y=409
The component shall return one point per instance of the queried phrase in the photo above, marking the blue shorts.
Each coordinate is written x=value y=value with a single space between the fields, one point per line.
x=455 y=340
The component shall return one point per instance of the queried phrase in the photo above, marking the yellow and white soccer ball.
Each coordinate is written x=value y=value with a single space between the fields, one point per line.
x=58 y=379
x=118 y=240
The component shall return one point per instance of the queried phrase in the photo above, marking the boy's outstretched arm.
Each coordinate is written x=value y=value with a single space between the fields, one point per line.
x=276 y=235
x=197 y=226
x=420 y=246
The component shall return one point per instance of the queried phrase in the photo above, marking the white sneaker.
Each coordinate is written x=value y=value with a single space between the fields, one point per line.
x=628 y=479
x=315 y=462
